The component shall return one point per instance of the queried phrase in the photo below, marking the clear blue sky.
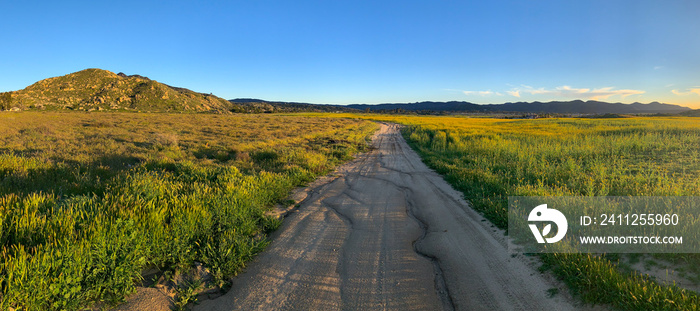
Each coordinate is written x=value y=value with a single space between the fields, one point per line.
x=368 y=51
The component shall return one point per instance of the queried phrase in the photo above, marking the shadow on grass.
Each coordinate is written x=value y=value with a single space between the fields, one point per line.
x=66 y=177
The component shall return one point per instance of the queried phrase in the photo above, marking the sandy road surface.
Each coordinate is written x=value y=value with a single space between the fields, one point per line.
x=388 y=233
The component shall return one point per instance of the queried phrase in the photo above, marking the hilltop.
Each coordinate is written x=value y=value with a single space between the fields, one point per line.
x=97 y=89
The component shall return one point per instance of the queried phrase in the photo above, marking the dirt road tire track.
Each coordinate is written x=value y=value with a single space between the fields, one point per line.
x=388 y=233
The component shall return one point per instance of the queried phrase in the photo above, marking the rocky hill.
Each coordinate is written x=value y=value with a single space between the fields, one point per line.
x=96 y=89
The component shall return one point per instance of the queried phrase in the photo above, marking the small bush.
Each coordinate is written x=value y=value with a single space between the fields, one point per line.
x=163 y=140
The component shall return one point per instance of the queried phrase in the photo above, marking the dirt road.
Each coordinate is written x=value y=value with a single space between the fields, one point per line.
x=388 y=233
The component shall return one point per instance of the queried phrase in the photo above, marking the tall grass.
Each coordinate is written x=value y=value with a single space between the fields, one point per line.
x=491 y=159
x=89 y=201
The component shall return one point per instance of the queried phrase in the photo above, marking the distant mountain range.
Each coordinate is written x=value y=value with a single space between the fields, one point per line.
x=563 y=107
x=102 y=90
x=559 y=107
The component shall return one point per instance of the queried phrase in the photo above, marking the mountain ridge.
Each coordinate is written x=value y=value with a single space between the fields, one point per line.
x=264 y=106
x=565 y=107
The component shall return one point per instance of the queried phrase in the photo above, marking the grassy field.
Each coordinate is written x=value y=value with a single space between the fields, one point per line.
x=491 y=159
x=90 y=201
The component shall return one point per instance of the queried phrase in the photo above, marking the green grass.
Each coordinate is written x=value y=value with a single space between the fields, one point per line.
x=491 y=159
x=89 y=201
